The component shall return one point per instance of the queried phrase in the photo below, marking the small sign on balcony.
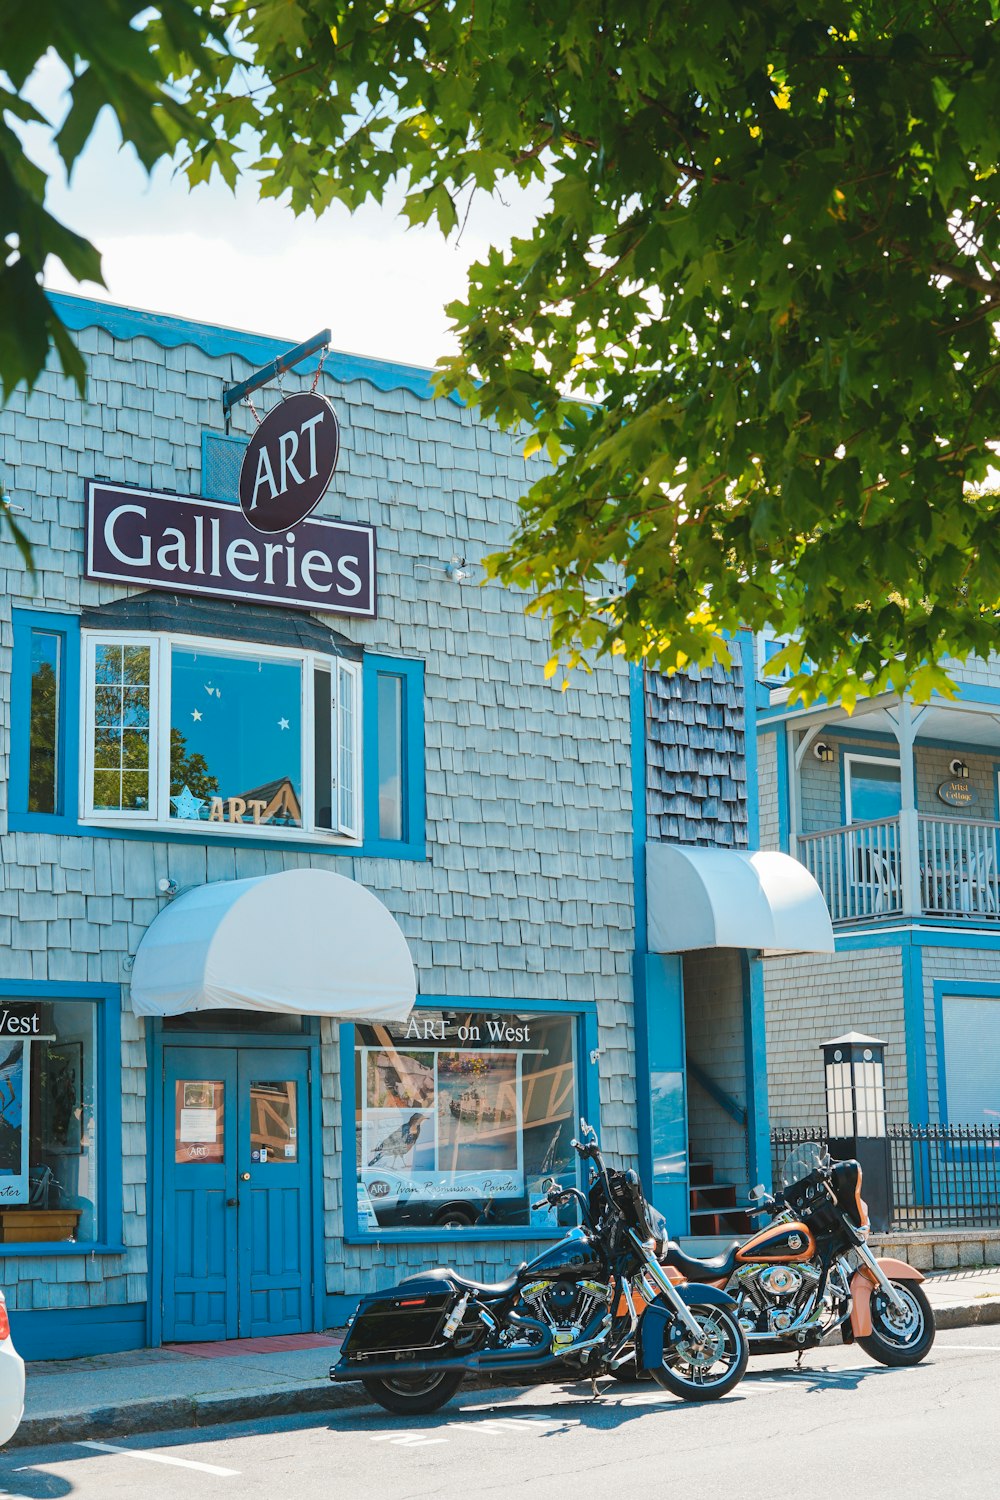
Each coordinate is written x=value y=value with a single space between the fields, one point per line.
x=957 y=793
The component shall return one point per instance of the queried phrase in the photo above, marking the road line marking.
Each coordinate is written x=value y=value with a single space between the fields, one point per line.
x=160 y=1458
x=406 y=1439
x=969 y=1348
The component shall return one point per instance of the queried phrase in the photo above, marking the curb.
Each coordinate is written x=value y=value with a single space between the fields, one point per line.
x=163 y=1414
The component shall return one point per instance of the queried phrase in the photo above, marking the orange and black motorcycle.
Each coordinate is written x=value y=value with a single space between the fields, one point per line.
x=811 y=1271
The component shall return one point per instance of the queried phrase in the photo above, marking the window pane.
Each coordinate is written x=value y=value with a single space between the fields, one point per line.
x=274 y=1135
x=43 y=748
x=323 y=746
x=346 y=769
x=121 y=727
x=48 y=1123
x=460 y=1115
x=875 y=790
x=199 y=1116
x=390 y=756
x=235 y=739
x=971 y=1050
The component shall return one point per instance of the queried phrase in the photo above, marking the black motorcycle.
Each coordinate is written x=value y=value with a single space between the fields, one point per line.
x=571 y=1313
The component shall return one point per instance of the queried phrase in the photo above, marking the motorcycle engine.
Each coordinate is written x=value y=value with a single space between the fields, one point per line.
x=775 y=1296
x=566 y=1306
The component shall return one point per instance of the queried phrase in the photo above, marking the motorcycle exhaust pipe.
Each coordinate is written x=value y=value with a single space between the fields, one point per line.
x=514 y=1360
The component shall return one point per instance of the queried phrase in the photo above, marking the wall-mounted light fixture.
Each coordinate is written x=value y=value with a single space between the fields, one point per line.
x=958 y=768
x=823 y=752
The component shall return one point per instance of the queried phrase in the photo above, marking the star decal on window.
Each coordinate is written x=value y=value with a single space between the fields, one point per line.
x=283 y=724
x=187 y=805
x=196 y=715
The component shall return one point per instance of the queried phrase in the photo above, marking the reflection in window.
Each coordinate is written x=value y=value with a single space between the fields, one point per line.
x=459 y=1117
x=235 y=739
x=43 y=748
x=390 y=756
x=48 y=1129
x=274 y=1134
x=121 y=727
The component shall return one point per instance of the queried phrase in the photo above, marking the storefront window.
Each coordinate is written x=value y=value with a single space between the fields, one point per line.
x=235 y=739
x=48 y=1121
x=183 y=733
x=43 y=754
x=122 y=688
x=459 y=1117
x=390 y=756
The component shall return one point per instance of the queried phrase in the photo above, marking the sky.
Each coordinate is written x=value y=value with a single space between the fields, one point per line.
x=231 y=259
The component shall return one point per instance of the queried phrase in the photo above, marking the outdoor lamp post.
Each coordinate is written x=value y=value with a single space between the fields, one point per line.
x=855 y=1116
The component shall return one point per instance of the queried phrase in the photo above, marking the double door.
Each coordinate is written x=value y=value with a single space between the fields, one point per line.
x=237 y=1223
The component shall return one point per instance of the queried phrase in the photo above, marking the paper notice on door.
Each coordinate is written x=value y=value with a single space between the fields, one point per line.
x=198 y=1125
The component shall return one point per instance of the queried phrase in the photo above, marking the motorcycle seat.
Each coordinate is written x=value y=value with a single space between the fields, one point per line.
x=715 y=1268
x=489 y=1291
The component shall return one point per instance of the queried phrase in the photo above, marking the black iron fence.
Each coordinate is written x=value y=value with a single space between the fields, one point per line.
x=943 y=1176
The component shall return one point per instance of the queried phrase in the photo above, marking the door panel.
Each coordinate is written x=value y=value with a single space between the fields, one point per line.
x=237 y=1251
x=275 y=1221
x=199 y=1245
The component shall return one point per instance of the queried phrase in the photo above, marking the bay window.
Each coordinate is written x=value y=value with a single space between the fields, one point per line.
x=222 y=735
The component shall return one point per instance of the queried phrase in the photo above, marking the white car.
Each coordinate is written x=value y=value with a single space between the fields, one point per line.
x=11 y=1379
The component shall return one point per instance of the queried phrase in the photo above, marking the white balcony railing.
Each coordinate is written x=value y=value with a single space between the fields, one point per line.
x=857 y=868
x=860 y=871
x=958 y=867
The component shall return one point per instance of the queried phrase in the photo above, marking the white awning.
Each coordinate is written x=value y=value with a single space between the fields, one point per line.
x=727 y=898
x=304 y=941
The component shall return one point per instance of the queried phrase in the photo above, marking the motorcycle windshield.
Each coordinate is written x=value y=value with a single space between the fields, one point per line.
x=803 y=1160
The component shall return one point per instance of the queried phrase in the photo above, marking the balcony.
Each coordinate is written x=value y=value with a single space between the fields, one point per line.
x=877 y=869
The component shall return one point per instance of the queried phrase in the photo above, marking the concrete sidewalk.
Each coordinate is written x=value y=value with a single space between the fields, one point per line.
x=150 y=1390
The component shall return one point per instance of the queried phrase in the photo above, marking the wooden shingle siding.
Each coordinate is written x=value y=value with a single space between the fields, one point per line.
x=695 y=757
x=526 y=891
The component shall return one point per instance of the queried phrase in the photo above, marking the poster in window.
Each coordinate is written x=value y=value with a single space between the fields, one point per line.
x=198 y=1120
x=14 y=1105
x=439 y=1125
x=62 y=1098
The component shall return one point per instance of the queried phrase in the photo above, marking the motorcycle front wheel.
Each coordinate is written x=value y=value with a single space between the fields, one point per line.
x=705 y=1370
x=413 y=1395
x=900 y=1338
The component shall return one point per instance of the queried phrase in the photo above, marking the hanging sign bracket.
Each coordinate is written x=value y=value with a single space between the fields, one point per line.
x=233 y=394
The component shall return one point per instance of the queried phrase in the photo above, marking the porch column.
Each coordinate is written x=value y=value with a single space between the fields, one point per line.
x=909 y=837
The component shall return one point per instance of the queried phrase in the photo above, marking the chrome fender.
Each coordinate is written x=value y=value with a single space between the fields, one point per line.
x=653 y=1326
x=862 y=1286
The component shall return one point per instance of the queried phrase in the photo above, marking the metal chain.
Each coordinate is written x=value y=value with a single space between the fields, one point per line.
x=319 y=371
x=248 y=401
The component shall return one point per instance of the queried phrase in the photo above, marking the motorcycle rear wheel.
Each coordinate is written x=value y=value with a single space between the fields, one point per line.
x=413 y=1395
x=896 y=1340
x=705 y=1374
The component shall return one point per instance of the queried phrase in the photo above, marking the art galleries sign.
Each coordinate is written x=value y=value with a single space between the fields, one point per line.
x=194 y=546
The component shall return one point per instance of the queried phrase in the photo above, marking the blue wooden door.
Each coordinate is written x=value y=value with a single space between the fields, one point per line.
x=237 y=1243
x=275 y=1221
x=200 y=1194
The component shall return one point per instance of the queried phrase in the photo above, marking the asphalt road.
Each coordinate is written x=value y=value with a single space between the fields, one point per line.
x=840 y=1425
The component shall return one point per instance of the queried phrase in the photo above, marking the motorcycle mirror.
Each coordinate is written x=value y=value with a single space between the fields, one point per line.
x=758 y=1192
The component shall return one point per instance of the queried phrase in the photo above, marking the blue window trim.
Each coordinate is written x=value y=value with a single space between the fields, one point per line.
x=864 y=752
x=956 y=989
x=110 y=1227
x=413 y=843
x=67 y=627
x=412 y=847
x=588 y=1103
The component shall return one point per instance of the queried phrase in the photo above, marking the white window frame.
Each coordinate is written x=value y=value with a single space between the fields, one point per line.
x=91 y=641
x=850 y=758
x=158 y=814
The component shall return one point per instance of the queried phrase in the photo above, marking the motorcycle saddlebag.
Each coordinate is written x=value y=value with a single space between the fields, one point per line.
x=400 y=1320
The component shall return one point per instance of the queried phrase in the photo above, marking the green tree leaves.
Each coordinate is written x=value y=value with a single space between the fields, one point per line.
x=755 y=332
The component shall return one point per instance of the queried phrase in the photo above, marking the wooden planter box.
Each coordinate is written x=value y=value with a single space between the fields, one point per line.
x=38 y=1225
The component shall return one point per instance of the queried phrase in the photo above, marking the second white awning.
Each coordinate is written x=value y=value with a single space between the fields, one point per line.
x=730 y=898
x=302 y=941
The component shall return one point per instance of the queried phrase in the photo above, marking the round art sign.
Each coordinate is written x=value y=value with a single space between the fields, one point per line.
x=289 y=463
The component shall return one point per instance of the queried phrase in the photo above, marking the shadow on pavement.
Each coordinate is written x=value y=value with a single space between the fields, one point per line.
x=29 y=1481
